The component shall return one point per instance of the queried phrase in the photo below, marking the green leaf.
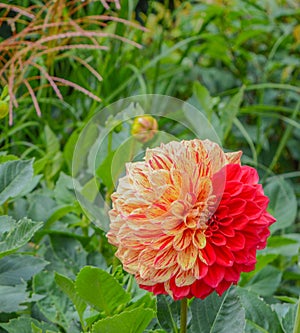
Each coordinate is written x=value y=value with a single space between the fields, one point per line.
x=203 y=97
x=217 y=314
x=283 y=203
x=259 y=315
x=124 y=154
x=286 y=314
x=168 y=313
x=287 y=245
x=68 y=287
x=12 y=297
x=262 y=261
x=230 y=111
x=70 y=147
x=100 y=289
x=104 y=170
x=5 y=158
x=24 y=325
x=52 y=143
x=56 y=306
x=265 y=282
x=66 y=254
x=17 y=268
x=35 y=329
x=134 y=321
x=14 y=177
x=18 y=236
x=64 y=190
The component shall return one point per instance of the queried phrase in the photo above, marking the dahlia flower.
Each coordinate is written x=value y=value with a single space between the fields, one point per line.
x=188 y=219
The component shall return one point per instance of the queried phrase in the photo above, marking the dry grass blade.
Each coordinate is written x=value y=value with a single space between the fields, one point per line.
x=89 y=68
x=34 y=99
x=48 y=33
x=76 y=87
x=21 y=10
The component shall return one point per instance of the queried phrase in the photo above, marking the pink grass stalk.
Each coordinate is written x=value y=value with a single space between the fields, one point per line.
x=33 y=97
x=76 y=87
x=89 y=68
x=89 y=33
x=49 y=78
x=22 y=10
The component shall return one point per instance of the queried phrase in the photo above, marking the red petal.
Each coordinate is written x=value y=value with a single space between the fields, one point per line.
x=236 y=206
x=252 y=210
x=218 y=239
x=233 y=273
x=233 y=171
x=237 y=242
x=200 y=269
x=249 y=175
x=214 y=275
x=200 y=289
x=240 y=222
x=224 y=256
x=223 y=286
x=234 y=187
x=179 y=292
x=208 y=254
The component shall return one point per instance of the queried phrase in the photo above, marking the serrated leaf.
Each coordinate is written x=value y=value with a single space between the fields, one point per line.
x=12 y=297
x=283 y=203
x=217 y=314
x=64 y=190
x=258 y=312
x=17 y=268
x=24 y=325
x=56 y=306
x=134 y=321
x=101 y=290
x=14 y=177
x=22 y=232
x=68 y=287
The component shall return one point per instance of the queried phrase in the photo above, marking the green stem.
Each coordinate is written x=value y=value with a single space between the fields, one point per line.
x=297 y=320
x=183 y=315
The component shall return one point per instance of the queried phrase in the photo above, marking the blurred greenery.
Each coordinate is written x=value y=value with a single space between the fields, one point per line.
x=236 y=61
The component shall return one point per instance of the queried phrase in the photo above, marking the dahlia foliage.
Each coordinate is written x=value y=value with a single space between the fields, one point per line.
x=189 y=219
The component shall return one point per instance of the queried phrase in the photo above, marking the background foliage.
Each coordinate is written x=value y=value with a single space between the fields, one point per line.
x=63 y=61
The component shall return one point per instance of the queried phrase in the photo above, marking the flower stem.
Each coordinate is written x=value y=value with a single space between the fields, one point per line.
x=183 y=315
x=297 y=320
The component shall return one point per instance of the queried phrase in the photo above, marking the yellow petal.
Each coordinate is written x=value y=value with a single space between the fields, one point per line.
x=186 y=258
x=184 y=278
x=182 y=240
x=199 y=239
x=165 y=258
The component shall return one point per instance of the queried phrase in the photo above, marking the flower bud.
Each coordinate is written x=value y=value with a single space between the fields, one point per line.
x=144 y=128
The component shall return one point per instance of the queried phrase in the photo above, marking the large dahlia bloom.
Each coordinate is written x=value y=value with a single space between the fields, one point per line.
x=189 y=219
